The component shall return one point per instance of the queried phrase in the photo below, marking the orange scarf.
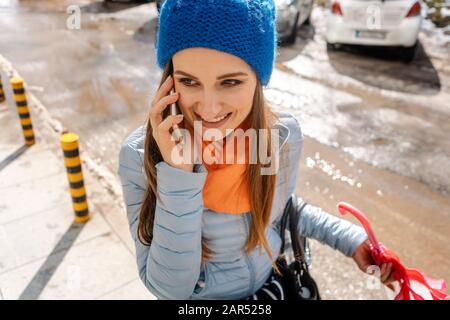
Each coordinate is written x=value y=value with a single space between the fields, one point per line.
x=226 y=188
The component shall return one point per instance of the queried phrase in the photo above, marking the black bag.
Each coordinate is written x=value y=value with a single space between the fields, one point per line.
x=295 y=282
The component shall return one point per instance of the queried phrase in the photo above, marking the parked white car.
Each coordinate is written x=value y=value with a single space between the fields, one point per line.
x=375 y=23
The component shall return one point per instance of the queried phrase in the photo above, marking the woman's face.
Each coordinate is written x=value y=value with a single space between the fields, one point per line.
x=214 y=87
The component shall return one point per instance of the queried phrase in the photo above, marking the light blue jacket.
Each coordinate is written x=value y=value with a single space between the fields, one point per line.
x=170 y=267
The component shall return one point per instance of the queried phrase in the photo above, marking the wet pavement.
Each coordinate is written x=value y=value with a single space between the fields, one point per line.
x=378 y=130
x=372 y=105
x=406 y=215
x=97 y=80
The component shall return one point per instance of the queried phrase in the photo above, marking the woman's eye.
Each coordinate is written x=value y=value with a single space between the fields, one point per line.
x=186 y=82
x=232 y=82
x=191 y=83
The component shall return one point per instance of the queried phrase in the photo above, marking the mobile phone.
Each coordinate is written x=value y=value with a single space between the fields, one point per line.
x=174 y=112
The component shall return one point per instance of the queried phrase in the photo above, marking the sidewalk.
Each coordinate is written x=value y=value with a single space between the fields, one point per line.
x=43 y=253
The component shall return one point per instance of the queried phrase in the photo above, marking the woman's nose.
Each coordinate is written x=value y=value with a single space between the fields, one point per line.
x=210 y=108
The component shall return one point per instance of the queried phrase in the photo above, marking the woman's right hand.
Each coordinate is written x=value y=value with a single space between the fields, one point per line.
x=161 y=127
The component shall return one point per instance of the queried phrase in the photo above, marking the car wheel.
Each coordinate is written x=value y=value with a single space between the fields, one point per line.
x=291 y=38
x=308 y=20
x=332 y=47
x=409 y=53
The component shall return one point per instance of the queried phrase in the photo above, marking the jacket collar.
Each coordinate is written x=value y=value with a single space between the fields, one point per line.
x=283 y=132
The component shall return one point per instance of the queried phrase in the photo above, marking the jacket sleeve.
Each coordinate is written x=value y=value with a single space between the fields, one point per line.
x=170 y=266
x=314 y=222
x=337 y=233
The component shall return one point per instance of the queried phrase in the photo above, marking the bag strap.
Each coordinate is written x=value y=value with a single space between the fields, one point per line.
x=292 y=212
x=298 y=242
x=283 y=223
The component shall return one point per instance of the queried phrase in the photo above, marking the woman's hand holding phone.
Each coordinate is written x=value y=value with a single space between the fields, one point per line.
x=161 y=126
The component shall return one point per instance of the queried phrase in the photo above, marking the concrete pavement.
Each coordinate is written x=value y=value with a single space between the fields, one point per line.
x=44 y=254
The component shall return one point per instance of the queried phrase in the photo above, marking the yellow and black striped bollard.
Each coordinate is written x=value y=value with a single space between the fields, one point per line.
x=22 y=108
x=69 y=144
x=2 y=93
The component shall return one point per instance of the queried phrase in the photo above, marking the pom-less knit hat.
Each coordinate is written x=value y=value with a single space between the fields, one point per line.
x=244 y=28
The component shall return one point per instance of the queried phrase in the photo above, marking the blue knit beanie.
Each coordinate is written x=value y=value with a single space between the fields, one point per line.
x=244 y=28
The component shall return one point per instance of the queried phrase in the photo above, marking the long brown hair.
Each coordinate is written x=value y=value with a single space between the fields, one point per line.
x=262 y=187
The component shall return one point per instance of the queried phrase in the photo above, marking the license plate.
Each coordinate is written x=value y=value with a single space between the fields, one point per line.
x=370 y=34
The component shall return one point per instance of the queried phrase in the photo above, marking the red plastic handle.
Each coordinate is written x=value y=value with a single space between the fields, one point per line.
x=345 y=208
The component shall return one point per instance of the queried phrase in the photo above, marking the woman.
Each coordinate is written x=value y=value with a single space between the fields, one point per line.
x=210 y=229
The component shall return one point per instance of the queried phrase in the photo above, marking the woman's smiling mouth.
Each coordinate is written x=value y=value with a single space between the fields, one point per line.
x=214 y=123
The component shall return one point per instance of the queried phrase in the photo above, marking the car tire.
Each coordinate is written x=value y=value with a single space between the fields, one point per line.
x=293 y=36
x=332 y=47
x=409 y=53
x=308 y=20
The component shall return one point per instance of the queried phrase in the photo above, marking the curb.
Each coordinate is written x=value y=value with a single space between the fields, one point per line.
x=103 y=175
